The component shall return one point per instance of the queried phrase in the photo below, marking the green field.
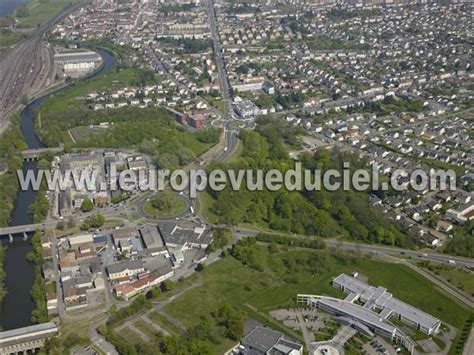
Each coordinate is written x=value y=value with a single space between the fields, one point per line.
x=459 y=277
x=84 y=133
x=230 y=282
x=41 y=11
x=74 y=96
x=204 y=203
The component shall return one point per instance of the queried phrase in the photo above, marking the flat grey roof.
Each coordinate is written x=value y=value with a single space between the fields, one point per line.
x=360 y=313
x=77 y=57
x=380 y=298
x=284 y=346
x=173 y=234
x=151 y=237
x=129 y=264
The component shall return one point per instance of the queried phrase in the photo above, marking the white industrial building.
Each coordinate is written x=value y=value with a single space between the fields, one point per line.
x=378 y=297
x=76 y=62
x=373 y=316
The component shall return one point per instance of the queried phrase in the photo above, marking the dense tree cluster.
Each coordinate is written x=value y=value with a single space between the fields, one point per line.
x=152 y=130
x=176 y=8
x=60 y=345
x=223 y=322
x=97 y=220
x=22 y=11
x=463 y=241
x=38 y=290
x=220 y=238
x=310 y=243
x=87 y=205
x=163 y=201
x=11 y=145
x=327 y=214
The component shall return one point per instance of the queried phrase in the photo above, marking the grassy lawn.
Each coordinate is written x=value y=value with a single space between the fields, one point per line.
x=74 y=96
x=84 y=133
x=146 y=329
x=204 y=203
x=163 y=322
x=219 y=104
x=130 y=336
x=229 y=282
x=179 y=204
x=458 y=277
x=41 y=11
x=196 y=146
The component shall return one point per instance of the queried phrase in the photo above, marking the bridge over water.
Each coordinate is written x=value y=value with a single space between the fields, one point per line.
x=22 y=232
x=26 y=339
x=35 y=153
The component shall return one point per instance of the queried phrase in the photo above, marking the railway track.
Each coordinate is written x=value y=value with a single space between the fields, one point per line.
x=21 y=68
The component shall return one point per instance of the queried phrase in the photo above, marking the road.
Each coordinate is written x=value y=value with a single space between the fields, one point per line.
x=365 y=248
x=100 y=342
x=230 y=136
x=331 y=243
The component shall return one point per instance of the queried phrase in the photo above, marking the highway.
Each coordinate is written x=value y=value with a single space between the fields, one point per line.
x=21 y=68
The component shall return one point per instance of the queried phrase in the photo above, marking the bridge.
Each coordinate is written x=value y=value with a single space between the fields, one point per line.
x=25 y=228
x=26 y=339
x=34 y=154
x=23 y=232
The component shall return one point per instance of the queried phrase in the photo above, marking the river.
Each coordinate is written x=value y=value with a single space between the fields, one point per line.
x=17 y=304
x=7 y=6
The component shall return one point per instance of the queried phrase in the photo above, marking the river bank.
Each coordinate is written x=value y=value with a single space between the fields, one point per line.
x=17 y=305
x=7 y=7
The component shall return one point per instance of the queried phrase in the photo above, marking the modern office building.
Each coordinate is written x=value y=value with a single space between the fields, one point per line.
x=373 y=310
x=378 y=298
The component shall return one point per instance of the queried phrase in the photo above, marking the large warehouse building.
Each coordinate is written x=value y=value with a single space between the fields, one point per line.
x=77 y=62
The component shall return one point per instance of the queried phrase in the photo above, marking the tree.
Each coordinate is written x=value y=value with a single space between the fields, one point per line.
x=200 y=267
x=60 y=225
x=164 y=201
x=95 y=221
x=233 y=321
x=87 y=205
x=166 y=286
x=220 y=238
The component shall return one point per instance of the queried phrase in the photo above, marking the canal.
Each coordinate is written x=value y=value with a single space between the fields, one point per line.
x=17 y=304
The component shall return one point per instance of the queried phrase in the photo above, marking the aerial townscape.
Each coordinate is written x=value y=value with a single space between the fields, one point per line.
x=152 y=154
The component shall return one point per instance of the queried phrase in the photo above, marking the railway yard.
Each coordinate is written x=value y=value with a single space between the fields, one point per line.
x=25 y=70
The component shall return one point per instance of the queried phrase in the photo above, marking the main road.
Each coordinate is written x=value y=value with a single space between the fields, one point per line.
x=230 y=135
x=331 y=243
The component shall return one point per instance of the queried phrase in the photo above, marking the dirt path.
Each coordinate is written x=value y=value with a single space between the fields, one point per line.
x=155 y=326
x=469 y=347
